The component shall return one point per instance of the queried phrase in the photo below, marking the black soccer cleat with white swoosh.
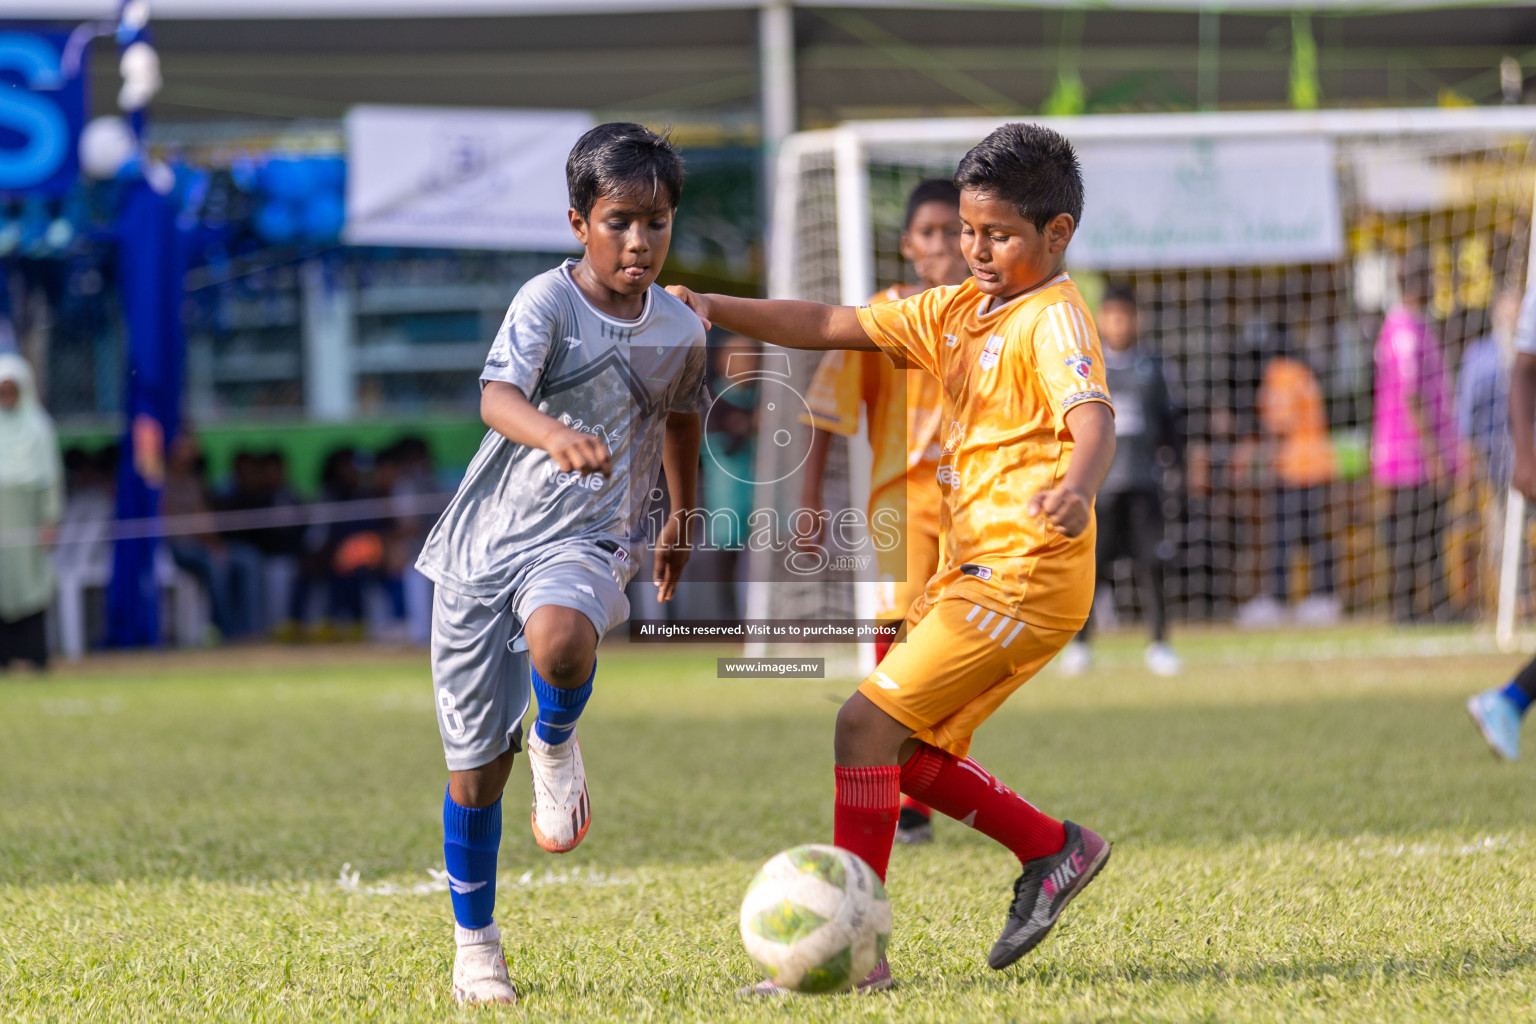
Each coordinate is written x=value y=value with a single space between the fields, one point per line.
x=1043 y=891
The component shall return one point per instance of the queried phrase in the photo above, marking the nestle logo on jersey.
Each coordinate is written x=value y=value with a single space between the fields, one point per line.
x=586 y=482
x=1081 y=365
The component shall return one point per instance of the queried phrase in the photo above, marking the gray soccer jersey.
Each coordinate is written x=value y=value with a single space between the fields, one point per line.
x=615 y=379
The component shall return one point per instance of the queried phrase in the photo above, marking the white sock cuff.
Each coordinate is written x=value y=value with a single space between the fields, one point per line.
x=474 y=936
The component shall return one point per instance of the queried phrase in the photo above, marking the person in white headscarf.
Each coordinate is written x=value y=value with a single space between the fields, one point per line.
x=31 y=504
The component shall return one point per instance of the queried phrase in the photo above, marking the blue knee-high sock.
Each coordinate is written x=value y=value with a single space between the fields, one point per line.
x=559 y=709
x=471 y=837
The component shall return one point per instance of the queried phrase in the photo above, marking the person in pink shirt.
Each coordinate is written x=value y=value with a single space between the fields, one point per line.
x=1414 y=448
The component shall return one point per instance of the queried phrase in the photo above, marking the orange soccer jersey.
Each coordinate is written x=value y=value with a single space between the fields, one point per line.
x=904 y=409
x=1008 y=376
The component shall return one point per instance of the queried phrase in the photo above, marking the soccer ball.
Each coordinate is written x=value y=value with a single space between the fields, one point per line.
x=816 y=919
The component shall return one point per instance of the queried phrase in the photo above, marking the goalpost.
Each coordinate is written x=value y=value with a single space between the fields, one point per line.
x=1247 y=238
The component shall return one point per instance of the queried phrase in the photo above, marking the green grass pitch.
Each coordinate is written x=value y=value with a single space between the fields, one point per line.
x=1297 y=839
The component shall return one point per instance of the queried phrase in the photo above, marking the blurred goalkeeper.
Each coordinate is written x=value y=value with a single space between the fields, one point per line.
x=1148 y=440
x=903 y=409
x=1499 y=712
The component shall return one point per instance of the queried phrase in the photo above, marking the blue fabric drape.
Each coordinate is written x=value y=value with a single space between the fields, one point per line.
x=152 y=261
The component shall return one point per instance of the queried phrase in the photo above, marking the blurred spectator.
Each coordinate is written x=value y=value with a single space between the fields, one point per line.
x=414 y=477
x=1414 y=449
x=90 y=480
x=279 y=541
x=344 y=557
x=389 y=468
x=31 y=505
x=228 y=576
x=1295 y=456
x=1482 y=418
x=1148 y=440
x=244 y=547
x=88 y=485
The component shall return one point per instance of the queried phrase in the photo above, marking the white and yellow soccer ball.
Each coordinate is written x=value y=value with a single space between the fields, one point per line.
x=816 y=919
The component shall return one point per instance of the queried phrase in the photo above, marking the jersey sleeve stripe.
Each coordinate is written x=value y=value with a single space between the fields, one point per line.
x=1082 y=328
x=1068 y=326
x=1057 y=327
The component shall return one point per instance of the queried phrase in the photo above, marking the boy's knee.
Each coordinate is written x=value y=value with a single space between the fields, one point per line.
x=853 y=718
x=563 y=645
x=866 y=734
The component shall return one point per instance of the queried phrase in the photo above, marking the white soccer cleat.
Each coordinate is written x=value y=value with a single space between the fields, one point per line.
x=561 y=808
x=1076 y=658
x=1263 y=612
x=1319 y=610
x=480 y=968
x=1161 y=661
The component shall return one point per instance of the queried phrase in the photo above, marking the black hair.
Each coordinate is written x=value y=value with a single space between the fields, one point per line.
x=934 y=190
x=75 y=460
x=617 y=157
x=1029 y=166
x=1121 y=293
x=338 y=463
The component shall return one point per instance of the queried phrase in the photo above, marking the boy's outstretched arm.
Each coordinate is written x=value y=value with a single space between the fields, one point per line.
x=680 y=461
x=507 y=411
x=787 y=322
x=1069 y=506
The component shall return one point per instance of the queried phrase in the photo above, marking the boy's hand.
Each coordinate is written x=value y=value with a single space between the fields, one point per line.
x=695 y=301
x=1065 y=509
x=671 y=555
x=575 y=452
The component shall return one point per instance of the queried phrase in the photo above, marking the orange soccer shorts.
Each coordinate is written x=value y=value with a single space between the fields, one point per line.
x=906 y=568
x=958 y=663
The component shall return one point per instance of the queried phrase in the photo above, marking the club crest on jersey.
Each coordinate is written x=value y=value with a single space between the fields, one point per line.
x=990 y=354
x=1082 y=366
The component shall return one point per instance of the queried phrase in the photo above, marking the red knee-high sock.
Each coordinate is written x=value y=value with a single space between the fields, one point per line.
x=967 y=792
x=864 y=819
x=909 y=804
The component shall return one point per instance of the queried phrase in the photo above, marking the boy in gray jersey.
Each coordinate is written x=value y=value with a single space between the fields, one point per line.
x=1500 y=711
x=594 y=383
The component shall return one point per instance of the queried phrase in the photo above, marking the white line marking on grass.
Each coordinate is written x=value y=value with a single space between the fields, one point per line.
x=351 y=881
x=1261 y=648
x=82 y=706
x=1369 y=848
x=1487 y=844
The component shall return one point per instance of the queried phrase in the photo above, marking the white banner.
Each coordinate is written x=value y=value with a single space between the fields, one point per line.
x=1208 y=203
x=460 y=178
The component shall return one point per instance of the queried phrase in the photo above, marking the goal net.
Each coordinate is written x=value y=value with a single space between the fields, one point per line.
x=1265 y=252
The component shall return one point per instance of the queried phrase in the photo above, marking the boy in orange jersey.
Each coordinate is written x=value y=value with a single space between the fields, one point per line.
x=903 y=410
x=1028 y=438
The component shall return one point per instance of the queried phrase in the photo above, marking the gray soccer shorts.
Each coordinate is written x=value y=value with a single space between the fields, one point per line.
x=481 y=670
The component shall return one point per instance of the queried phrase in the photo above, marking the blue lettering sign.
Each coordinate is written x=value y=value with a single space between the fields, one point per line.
x=41 y=114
